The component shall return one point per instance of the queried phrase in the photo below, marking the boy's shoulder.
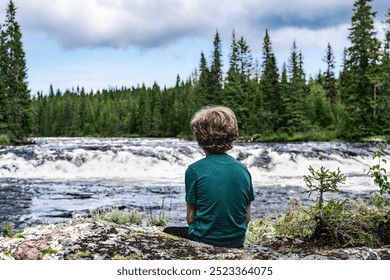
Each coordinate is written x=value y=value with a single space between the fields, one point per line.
x=223 y=159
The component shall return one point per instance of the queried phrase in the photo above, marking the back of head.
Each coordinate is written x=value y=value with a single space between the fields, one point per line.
x=215 y=129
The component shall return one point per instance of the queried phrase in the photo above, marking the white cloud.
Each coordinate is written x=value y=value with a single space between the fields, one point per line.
x=123 y=23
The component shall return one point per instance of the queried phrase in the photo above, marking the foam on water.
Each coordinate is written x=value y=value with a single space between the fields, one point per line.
x=58 y=177
x=165 y=160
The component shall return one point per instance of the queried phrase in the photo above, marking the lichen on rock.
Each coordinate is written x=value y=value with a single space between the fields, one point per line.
x=92 y=239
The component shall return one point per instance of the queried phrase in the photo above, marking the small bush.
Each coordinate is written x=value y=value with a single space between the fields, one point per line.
x=4 y=139
x=161 y=221
x=8 y=229
x=296 y=221
x=118 y=217
x=258 y=230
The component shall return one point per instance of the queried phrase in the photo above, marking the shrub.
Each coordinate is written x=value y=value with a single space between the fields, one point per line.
x=8 y=229
x=4 y=139
x=118 y=217
x=296 y=221
x=161 y=221
x=258 y=230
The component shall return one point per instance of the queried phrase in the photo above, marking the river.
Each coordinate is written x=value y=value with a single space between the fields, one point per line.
x=57 y=178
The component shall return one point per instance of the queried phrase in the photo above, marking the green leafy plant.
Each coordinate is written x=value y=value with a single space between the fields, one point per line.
x=378 y=173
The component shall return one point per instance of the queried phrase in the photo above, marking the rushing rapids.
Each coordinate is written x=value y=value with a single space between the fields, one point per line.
x=56 y=178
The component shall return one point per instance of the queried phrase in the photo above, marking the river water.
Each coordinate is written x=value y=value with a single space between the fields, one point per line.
x=57 y=178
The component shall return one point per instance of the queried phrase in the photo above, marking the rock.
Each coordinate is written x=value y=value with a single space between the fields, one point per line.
x=90 y=239
x=31 y=249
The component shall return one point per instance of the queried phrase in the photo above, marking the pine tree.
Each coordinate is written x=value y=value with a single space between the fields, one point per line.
x=362 y=92
x=385 y=74
x=297 y=92
x=239 y=92
x=269 y=84
x=202 y=88
x=15 y=78
x=286 y=99
x=3 y=91
x=329 y=75
x=216 y=74
x=232 y=87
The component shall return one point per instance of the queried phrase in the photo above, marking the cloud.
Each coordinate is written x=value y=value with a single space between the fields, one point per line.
x=147 y=24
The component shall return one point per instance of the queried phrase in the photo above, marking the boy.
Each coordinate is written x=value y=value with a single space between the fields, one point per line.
x=219 y=189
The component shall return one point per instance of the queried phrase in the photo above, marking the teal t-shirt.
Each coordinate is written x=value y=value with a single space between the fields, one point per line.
x=221 y=189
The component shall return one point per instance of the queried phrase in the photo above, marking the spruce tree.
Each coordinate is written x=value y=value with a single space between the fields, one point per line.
x=216 y=74
x=269 y=84
x=385 y=73
x=286 y=100
x=329 y=75
x=233 y=81
x=202 y=87
x=15 y=77
x=3 y=91
x=238 y=93
x=297 y=92
x=362 y=90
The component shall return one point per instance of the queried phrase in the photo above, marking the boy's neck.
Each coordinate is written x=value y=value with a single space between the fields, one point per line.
x=208 y=153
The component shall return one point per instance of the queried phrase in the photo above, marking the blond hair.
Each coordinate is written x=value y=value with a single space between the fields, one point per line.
x=215 y=129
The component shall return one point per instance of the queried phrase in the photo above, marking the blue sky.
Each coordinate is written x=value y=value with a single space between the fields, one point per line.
x=103 y=43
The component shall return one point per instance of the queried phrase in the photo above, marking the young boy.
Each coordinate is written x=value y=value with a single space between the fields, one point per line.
x=219 y=189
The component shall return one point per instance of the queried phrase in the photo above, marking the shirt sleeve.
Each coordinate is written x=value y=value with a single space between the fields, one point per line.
x=251 y=192
x=190 y=183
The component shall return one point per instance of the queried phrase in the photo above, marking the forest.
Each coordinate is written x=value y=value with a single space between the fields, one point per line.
x=271 y=104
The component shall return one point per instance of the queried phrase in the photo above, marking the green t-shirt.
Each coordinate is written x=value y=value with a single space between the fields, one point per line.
x=221 y=189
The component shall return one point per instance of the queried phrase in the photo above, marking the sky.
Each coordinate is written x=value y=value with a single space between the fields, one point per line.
x=97 y=44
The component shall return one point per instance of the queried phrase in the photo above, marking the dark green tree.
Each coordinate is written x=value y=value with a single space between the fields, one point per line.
x=385 y=75
x=285 y=98
x=3 y=90
x=15 y=77
x=329 y=75
x=216 y=74
x=202 y=87
x=294 y=103
x=238 y=93
x=269 y=85
x=362 y=90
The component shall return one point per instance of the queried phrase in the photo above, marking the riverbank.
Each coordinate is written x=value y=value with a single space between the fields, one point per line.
x=91 y=239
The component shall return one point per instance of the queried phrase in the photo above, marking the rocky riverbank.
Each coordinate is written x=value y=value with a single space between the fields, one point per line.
x=92 y=239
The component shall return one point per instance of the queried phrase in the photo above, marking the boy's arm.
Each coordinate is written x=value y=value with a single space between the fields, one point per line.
x=190 y=213
x=248 y=213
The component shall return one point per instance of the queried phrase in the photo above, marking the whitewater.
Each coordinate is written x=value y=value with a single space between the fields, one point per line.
x=56 y=178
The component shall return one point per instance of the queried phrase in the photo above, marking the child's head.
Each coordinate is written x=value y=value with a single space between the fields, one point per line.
x=215 y=129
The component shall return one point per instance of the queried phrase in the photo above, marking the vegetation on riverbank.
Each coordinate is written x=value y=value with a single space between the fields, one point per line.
x=334 y=223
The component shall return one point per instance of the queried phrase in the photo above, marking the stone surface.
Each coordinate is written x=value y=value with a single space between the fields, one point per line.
x=98 y=240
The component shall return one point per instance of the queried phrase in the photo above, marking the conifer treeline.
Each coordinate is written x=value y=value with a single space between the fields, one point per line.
x=270 y=103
